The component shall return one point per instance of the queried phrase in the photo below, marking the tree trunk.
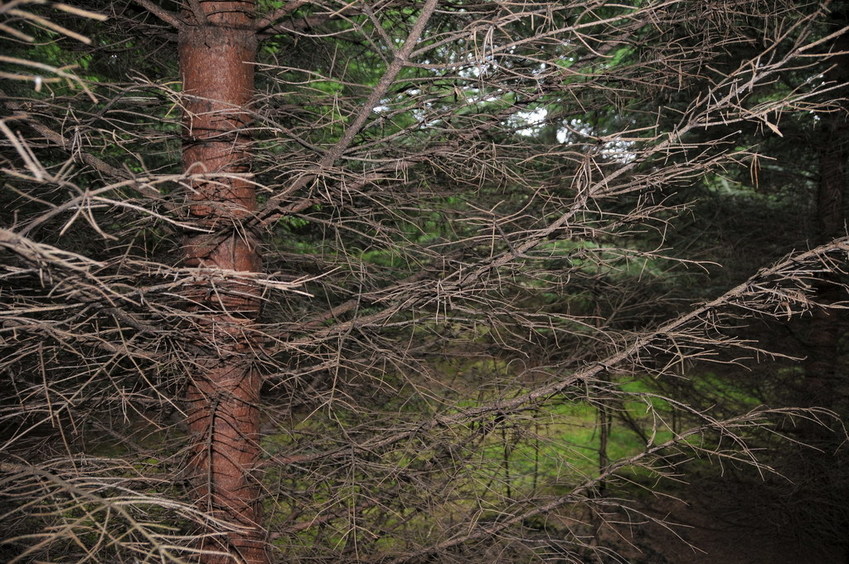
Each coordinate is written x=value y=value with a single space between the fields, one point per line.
x=217 y=51
x=825 y=328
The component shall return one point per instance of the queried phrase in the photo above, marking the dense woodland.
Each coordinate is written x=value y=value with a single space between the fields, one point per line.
x=395 y=281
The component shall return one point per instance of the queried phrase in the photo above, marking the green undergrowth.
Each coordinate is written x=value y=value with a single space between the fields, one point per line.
x=473 y=469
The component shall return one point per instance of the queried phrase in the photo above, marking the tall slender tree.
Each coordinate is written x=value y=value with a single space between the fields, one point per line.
x=217 y=44
x=822 y=370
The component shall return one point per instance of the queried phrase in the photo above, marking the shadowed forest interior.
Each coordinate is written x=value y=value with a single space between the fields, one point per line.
x=455 y=281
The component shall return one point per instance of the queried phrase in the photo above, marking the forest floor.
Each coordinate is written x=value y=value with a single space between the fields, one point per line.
x=723 y=521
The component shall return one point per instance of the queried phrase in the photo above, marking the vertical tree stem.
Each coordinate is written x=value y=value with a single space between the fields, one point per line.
x=217 y=51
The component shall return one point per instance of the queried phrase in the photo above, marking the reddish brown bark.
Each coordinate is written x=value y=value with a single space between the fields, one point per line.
x=217 y=49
